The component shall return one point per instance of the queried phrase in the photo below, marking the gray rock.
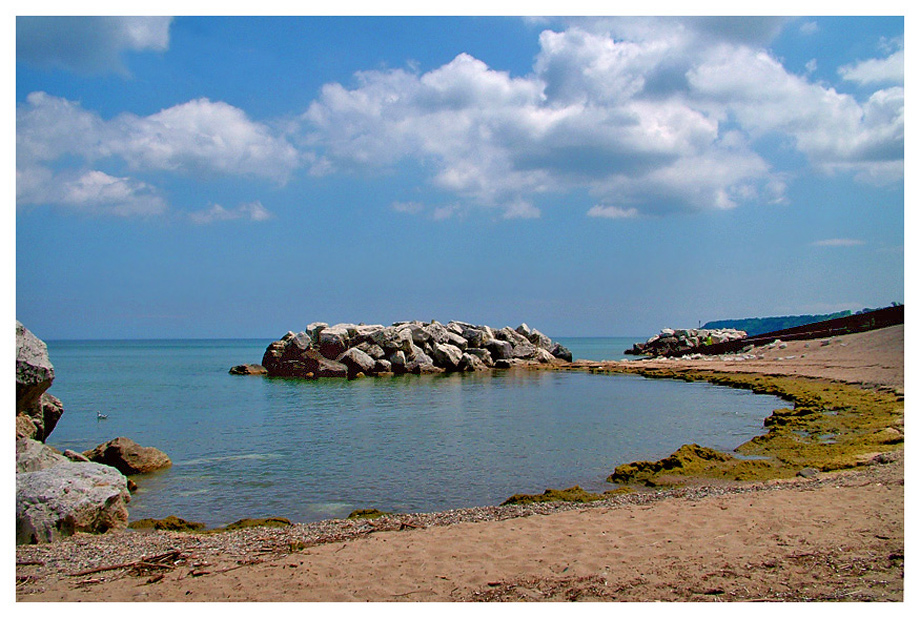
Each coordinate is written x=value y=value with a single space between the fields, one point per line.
x=470 y=362
x=393 y=338
x=357 y=362
x=482 y=354
x=457 y=340
x=398 y=362
x=372 y=349
x=478 y=337
x=523 y=350
x=807 y=473
x=560 y=351
x=446 y=356
x=128 y=457
x=32 y=455
x=70 y=497
x=499 y=349
x=34 y=375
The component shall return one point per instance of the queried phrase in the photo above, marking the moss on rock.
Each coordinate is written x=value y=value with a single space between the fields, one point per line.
x=172 y=523
x=367 y=514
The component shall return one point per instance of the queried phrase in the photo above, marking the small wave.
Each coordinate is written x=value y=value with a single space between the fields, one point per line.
x=222 y=458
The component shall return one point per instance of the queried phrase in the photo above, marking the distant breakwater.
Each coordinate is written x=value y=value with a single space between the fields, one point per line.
x=356 y=350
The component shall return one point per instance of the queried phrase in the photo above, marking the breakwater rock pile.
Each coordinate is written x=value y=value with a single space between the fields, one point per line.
x=670 y=342
x=354 y=350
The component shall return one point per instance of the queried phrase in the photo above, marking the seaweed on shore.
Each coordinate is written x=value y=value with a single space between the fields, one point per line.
x=830 y=426
x=572 y=494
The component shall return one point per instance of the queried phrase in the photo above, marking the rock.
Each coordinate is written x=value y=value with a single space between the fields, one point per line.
x=357 y=362
x=523 y=350
x=499 y=349
x=34 y=372
x=78 y=457
x=477 y=336
x=446 y=356
x=416 y=347
x=483 y=355
x=32 y=455
x=807 y=473
x=248 y=370
x=671 y=342
x=393 y=338
x=34 y=375
x=128 y=457
x=398 y=362
x=560 y=351
x=469 y=362
x=67 y=498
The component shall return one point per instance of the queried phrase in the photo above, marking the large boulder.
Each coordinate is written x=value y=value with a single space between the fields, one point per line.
x=34 y=375
x=446 y=355
x=128 y=457
x=32 y=455
x=68 y=498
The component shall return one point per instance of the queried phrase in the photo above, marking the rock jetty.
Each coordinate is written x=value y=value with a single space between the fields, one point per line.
x=355 y=350
x=670 y=342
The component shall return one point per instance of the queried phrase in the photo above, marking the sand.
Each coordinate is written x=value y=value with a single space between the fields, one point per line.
x=837 y=536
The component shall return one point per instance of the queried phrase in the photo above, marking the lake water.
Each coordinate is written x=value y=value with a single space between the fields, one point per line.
x=249 y=446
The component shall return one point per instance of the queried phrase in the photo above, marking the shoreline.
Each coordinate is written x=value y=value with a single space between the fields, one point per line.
x=207 y=563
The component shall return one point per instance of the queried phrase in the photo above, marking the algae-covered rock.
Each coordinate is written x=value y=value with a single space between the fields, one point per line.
x=171 y=523
x=366 y=514
x=262 y=522
x=572 y=494
x=690 y=459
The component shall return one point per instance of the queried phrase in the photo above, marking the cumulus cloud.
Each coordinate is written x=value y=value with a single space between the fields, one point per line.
x=61 y=147
x=253 y=211
x=648 y=116
x=93 y=192
x=88 y=44
x=889 y=70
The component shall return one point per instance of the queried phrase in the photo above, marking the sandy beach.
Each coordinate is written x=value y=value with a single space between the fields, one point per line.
x=835 y=536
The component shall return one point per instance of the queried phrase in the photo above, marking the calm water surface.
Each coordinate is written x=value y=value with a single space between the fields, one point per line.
x=248 y=446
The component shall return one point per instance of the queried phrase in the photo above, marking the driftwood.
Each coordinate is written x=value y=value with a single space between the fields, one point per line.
x=152 y=562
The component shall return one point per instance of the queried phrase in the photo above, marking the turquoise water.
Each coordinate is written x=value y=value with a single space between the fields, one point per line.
x=248 y=446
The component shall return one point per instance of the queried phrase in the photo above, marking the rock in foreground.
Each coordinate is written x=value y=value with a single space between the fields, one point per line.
x=37 y=412
x=354 y=350
x=68 y=498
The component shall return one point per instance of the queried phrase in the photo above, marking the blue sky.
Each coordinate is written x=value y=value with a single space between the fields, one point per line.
x=241 y=177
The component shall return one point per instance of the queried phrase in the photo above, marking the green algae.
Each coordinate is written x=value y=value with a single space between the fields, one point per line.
x=830 y=426
x=572 y=494
x=171 y=523
x=261 y=522
x=367 y=514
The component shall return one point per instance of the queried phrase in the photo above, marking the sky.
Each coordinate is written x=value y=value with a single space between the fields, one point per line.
x=209 y=177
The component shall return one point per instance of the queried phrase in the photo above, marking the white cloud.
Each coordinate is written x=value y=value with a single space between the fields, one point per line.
x=88 y=44
x=634 y=111
x=888 y=70
x=612 y=212
x=61 y=149
x=838 y=242
x=809 y=28
x=253 y=211
x=93 y=192
x=203 y=136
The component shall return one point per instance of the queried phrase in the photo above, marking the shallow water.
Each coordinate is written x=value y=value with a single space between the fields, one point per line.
x=248 y=446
